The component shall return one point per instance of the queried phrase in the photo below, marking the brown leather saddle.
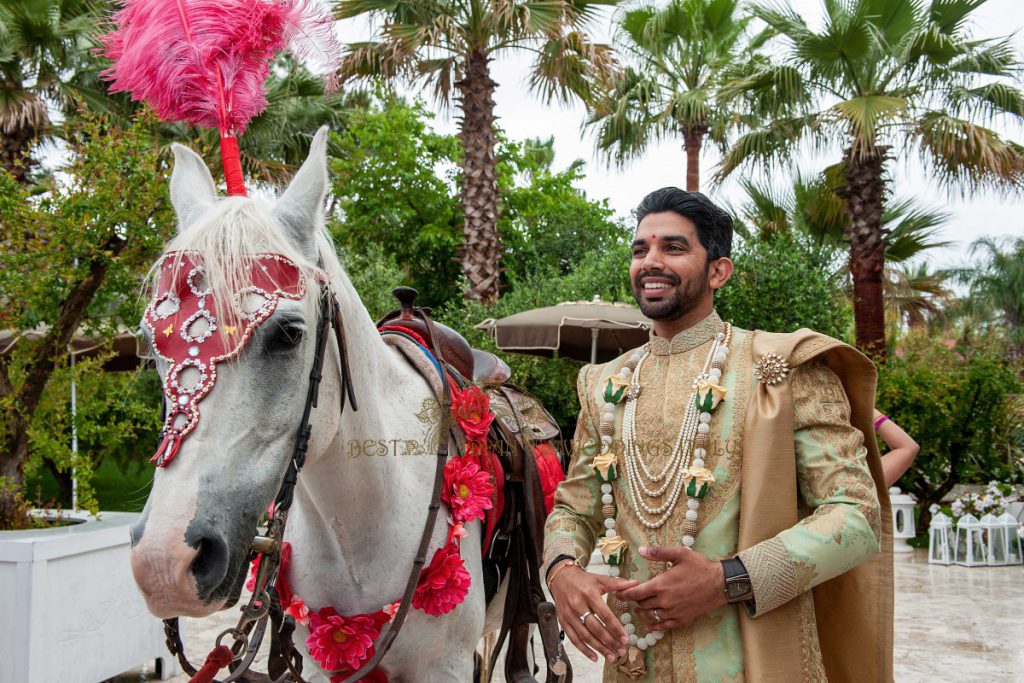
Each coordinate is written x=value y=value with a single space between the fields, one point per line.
x=516 y=549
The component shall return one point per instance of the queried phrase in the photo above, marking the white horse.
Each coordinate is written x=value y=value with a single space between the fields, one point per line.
x=357 y=518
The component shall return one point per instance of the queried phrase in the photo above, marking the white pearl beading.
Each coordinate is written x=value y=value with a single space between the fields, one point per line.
x=654 y=509
x=683 y=454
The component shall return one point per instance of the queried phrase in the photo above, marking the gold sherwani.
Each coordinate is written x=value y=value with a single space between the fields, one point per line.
x=797 y=495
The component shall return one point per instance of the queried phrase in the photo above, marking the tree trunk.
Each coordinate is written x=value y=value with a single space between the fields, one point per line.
x=864 y=194
x=19 y=130
x=481 y=249
x=693 y=140
x=14 y=149
x=26 y=397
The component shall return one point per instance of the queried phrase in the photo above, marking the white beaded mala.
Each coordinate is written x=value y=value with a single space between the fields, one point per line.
x=656 y=494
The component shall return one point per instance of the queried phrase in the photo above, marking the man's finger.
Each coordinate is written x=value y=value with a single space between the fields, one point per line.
x=609 y=585
x=605 y=641
x=616 y=630
x=572 y=632
x=663 y=625
x=663 y=554
x=643 y=591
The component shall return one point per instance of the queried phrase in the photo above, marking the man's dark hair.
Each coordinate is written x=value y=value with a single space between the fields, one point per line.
x=714 y=225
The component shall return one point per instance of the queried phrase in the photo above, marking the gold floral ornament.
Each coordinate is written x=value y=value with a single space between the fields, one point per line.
x=613 y=549
x=604 y=465
x=634 y=665
x=698 y=480
x=771 y=369
x=709 y=395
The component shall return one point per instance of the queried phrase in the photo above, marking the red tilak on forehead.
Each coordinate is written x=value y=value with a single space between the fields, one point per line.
x=187 y=335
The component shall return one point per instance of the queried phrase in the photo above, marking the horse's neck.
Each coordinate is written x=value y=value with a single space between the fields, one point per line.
x=362 y=490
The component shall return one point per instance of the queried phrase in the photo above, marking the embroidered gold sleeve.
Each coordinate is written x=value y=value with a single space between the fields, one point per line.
x=841 y=523
x=572 y=526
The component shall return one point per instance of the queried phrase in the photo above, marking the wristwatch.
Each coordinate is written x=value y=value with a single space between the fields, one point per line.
x=737 y=581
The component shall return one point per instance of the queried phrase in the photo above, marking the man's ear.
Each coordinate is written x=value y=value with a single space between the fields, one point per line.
x=719 y=272
x=301 y=208
x=192 y=188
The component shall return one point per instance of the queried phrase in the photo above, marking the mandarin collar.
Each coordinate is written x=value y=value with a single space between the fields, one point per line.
x=688 y=339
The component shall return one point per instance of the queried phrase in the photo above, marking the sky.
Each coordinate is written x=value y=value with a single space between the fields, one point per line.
x=523 y=115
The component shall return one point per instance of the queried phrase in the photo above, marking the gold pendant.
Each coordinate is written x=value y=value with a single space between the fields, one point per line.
x=634 y=666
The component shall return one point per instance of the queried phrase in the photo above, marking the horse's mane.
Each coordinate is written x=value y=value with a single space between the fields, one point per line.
x=236 y=228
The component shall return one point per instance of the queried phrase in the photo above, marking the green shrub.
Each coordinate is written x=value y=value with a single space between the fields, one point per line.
x=958 y=404
x=782 y=284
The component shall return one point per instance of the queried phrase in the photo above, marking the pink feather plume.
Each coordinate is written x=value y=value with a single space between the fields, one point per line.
x=205 y=62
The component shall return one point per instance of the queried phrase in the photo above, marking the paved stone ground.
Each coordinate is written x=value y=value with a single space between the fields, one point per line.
x=952 y=623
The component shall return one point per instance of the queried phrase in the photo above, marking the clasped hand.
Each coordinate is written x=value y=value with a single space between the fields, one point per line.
x=692 y=586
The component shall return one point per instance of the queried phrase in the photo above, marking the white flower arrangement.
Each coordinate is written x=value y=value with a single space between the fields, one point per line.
x=993 y=500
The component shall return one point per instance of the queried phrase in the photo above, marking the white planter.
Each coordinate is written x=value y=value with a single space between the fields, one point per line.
x=69 y=608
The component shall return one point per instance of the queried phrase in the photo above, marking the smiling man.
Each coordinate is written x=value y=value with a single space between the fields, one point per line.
x=730 y=480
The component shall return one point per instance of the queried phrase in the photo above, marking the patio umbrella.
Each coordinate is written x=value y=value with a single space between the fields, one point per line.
x=595 y=331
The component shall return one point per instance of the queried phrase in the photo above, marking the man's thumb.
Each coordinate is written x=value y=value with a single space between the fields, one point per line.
x=657 y=554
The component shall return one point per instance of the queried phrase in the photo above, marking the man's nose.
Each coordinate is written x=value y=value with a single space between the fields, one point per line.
x=652 y=260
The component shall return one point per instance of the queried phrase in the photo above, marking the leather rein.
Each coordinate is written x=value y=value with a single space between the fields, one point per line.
x=285 y=662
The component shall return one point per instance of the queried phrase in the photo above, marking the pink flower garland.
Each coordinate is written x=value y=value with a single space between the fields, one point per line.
x=341 y=644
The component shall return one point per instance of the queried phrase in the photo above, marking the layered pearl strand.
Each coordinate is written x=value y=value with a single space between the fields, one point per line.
x=688 y=455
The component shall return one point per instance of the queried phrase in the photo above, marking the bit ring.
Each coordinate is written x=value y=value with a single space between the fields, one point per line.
x=656 y=617
x=583 y=617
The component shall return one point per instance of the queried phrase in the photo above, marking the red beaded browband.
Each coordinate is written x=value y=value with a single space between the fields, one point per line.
x=186 y=334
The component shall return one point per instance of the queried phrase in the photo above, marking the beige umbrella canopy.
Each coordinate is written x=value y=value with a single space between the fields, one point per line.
x=595 y=331
x=127 y=354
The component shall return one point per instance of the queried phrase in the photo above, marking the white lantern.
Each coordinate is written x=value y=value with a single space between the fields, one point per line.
x=940 y=540
x=1013 y=543
x=903 y=526
x=970 y=542
x=995 y=540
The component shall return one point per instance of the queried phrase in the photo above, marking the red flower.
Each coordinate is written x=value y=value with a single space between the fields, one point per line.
x=444 y=584
x=549 y=467
x=284 y=591
x=472 y=411
x=467 y=490
x=337 y=641
x=297 y=609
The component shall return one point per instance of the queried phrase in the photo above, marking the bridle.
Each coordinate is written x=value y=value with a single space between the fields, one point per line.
x=285 y=662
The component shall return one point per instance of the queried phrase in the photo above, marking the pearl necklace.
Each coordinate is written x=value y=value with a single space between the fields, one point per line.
x=684 y=471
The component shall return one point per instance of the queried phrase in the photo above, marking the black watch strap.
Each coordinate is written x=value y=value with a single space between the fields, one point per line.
x=737 y=581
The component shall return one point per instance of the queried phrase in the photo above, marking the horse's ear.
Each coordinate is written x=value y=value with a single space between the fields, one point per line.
x=301 y=208
x=192 y=187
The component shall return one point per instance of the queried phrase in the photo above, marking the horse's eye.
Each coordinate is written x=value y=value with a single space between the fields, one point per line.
x=284 y=338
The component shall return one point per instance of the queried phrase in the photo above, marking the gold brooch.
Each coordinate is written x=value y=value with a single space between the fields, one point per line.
x=771 y=369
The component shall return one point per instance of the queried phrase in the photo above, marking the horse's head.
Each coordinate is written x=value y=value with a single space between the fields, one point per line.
x=233 y=324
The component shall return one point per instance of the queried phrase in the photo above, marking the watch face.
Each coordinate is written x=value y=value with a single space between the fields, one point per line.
x=739 y=590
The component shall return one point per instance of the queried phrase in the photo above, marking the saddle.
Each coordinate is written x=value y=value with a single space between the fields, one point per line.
x=516 y=547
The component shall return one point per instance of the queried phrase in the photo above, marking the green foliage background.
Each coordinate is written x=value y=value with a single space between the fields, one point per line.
x=958 y=404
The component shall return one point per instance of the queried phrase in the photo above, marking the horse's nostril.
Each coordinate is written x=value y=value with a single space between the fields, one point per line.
x=210 y=565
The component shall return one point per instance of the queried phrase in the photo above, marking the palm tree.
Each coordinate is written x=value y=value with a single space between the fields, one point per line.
x=882 y=76
x=913 y=295
x=996 y=284
x=448 y=45
x=44 y=57
x=676 y=54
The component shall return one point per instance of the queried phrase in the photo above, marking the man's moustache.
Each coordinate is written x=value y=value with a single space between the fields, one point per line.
x=674 y=279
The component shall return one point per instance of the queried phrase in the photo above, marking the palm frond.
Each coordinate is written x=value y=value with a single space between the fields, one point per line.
x=967 y=155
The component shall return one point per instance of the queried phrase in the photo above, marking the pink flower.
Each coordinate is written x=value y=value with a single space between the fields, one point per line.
x=458 y=531
x=444 y=584
x=467 y=490
x=297 y=609
x=472 y=411
x=392 y=609
x=337 y=642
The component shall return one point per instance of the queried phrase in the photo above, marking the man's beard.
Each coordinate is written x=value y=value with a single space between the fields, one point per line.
x=685 y=296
